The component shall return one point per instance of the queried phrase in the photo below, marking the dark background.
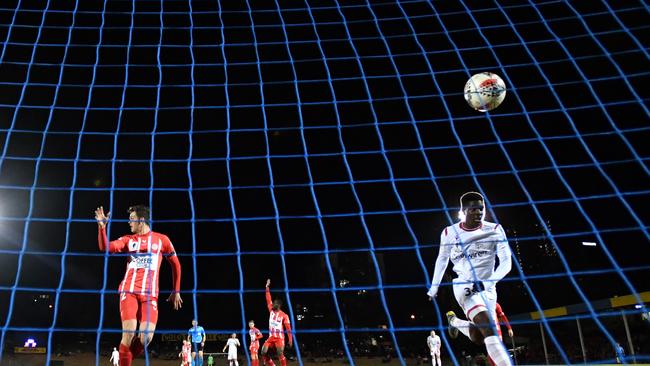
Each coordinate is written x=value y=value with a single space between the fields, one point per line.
x=274 y=142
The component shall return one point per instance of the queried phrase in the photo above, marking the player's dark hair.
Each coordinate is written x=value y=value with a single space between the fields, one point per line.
x=469 y=197
x=251 y=321
x=278 y=301
x=143 y=212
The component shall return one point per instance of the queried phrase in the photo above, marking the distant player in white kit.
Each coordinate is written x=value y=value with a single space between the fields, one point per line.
x=115 y=357
x=433 y=341
x=472 y=246
x=232 y=345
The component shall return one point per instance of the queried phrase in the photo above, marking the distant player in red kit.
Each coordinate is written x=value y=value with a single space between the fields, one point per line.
x=255 y=335
x=278 y=323
x=139 y=289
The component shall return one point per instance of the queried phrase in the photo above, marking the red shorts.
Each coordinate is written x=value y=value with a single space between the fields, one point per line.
x=254 y=347
x=274 y=342
x=143 y=308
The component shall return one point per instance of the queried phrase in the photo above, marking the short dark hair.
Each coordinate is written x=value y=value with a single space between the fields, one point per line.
x=142 y=211
x=251 y=321
x=469 y=197
x=279 y=301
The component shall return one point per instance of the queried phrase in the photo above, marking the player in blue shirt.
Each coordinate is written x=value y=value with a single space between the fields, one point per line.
x=196 y=335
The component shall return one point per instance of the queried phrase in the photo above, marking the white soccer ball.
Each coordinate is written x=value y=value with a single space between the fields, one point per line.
x=485 y=91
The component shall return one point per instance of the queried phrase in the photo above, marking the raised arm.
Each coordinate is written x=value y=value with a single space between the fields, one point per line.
x=269 y=300
x=441 y=263
x=114 y=246
x=505 y=257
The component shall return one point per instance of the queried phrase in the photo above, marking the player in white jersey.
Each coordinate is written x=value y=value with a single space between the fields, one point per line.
x=472 y=246
x=433 y=341
x=232 y=345
x=115 y=357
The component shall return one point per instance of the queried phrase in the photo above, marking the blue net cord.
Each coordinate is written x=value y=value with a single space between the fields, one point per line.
x=271 y=183
x=190 y=191
x=71 y=196
x=32 y=189
x=326 y=249
x=559 y=173
x=586 y=81
x=230 y=187
x=348 y=170
x=603 y=173
x=450 y=219
x=120 y=117
x=298 y=24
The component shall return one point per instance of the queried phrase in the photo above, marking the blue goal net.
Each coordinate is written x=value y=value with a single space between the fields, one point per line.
x=324 y=145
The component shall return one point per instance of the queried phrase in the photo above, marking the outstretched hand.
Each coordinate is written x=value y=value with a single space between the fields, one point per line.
x=101 y=217
x=175 y=299
x=268 y=283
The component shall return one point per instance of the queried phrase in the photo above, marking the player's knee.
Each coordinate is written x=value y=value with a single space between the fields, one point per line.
x=146 y=339
x=127 y=338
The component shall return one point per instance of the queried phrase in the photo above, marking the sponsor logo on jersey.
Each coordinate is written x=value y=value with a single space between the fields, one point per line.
x=473 y=255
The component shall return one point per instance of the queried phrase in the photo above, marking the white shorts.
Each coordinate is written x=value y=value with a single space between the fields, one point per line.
x=435 y=353
x=232 y=355
x=473 y=303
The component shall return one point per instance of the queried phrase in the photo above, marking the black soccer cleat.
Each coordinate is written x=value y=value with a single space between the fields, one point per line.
x=453 y=331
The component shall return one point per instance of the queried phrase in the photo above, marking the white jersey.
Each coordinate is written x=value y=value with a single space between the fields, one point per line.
x=115 y=357
x=232 y=344
x=473 y=253
x=434 y=343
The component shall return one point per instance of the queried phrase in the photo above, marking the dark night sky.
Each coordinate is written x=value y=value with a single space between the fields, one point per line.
x=362 y=140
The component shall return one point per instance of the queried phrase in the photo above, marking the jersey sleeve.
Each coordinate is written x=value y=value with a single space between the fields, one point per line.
x=504 y=254
x=115 y=246
x=441 y=262
x=287 y=327
x=258 y=334
x=269 y=301
x=170 y=254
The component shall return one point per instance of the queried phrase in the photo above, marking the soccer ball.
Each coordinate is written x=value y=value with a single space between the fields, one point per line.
x=485 y=91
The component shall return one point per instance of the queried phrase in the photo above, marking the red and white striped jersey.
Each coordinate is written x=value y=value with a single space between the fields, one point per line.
x=255 y=335
x=278 y=320
x=143 y=264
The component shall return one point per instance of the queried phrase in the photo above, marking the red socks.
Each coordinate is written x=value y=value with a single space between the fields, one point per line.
x=255 y=362
x=268 y=361
x=283 y=360
x=125 y=355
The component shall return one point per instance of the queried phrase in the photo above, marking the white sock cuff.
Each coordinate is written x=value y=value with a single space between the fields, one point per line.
x=492 y=340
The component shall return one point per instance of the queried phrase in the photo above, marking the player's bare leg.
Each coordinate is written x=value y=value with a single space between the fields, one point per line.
x=283 y=360
x=469 y=329
x=254 y=359
x=265 y=356
x=128 y=333
x=143 y=339
x=495 y=348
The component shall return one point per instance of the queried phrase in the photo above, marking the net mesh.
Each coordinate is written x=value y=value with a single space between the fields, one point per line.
x=324 y=145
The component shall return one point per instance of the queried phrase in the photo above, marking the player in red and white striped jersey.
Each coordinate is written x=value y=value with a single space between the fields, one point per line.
x=278 y=322
x=139 y=288
x=254 y=348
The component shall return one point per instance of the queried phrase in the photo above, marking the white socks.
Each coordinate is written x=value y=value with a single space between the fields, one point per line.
x=497 y=351
x=461 y=325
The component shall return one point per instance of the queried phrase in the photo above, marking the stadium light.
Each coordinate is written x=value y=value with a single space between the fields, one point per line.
x=638 y=306
x=589 y=243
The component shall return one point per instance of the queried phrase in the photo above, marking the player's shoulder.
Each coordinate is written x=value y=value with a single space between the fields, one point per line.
x=491 y=226
x=159 y=235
